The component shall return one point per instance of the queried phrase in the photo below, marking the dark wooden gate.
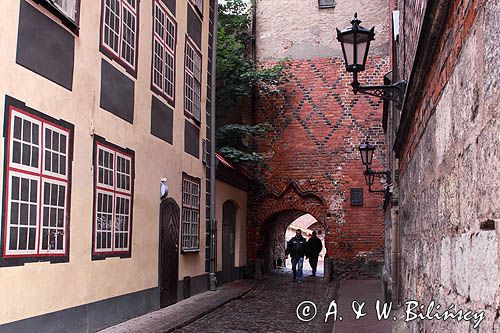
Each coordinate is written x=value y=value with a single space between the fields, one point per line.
x=169 y=252
x=228 y=240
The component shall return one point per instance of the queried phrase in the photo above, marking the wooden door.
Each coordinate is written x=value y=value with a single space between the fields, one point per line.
x=228 y=240
x=169 y=252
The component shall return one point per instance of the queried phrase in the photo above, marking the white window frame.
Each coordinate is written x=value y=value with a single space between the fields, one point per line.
x=114 y=192
x=190 y=233
x=41 y=176
x=199 y=4
x=56 y=228
x=67 y=7
x=131 y=7
x=192 y=82
x=167 y=41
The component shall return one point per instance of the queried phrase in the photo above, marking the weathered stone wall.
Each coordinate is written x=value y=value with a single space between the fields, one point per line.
x=298 y=29
x=449 y=206
x=456 y=30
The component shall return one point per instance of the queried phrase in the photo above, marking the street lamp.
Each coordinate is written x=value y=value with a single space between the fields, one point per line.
x=369 y=178
x=355 y=42
x=366 y=150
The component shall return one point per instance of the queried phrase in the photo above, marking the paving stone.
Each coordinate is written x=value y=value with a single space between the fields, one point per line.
x=271 y=307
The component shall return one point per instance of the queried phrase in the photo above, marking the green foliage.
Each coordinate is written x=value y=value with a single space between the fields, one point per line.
x=233 y=141
x=238 y=77
x=237 y=73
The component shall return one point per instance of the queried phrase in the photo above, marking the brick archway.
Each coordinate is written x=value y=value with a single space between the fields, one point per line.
x=265 y=236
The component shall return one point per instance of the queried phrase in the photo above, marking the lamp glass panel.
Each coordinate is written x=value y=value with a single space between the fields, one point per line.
x=349 y=53
x=369 y=157
x=346 y=38
x=364 y=156
x=360 y=54
x=369 y=178
x=372 y=179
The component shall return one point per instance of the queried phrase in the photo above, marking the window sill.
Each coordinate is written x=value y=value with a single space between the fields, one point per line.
x=195 y=121
x=197 y=10
x=65 y=20
x=170 y=101
x=9 y=261
x=190 y=251
x=102 y=256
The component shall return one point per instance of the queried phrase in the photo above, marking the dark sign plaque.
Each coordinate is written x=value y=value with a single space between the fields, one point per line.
x=326 y=4
x=356 y=197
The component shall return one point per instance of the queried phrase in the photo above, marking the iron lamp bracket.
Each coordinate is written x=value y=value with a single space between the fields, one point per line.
x=393 y=92
x=379 y=174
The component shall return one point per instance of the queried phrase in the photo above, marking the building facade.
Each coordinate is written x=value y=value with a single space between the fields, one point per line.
x=102 y=100
x=442 y=227
x=317 y=125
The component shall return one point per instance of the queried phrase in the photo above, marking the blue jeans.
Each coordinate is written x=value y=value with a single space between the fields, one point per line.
x=297 y=271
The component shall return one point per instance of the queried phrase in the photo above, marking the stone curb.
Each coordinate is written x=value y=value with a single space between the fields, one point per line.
x=184 y=312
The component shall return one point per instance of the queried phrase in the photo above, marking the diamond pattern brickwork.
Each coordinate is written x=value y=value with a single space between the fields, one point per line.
x=316 y=125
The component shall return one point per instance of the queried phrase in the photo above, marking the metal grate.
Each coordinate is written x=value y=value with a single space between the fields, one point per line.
x=326 y=4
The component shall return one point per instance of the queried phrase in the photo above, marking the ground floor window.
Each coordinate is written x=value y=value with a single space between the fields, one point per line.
x=37 y=185
x=113 y=199
x=190 y=235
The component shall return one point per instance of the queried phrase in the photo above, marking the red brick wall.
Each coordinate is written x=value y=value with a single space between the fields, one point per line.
x=460 y=19
x=317 y=126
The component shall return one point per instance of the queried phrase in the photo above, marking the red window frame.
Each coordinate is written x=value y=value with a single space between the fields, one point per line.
x=115 y=191
x=45 y=209
x=191 y=109
x=161 y=41
x=192 y=209
x=132 y=8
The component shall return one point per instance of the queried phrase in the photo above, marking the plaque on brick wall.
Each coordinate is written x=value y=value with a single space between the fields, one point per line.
x=326 y=4
x=356 y=197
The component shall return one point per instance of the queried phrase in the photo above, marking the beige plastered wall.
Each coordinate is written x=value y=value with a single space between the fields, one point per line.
x=38 y=288
x=225 y=192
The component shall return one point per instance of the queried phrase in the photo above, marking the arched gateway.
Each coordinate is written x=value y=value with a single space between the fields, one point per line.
x=353 y=242
x=265 y=237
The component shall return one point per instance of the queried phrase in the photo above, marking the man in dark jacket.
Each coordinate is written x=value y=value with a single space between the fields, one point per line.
x=296 y=248
x=313 y=248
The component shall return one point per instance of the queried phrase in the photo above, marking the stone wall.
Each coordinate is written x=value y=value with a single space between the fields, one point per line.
x=449 y=207
x=456 y=30
x=298 y=29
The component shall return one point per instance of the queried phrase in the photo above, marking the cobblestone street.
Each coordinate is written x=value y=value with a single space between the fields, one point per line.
x=271 y=307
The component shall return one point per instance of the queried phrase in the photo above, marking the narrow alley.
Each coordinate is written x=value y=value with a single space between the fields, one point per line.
x=271 y=307
x=272 y=304
x=176 y=165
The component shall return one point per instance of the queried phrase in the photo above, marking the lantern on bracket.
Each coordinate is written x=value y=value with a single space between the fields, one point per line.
x=355 y=41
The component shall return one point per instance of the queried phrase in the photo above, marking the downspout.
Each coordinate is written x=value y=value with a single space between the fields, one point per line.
x=254 y=59
x=213 y=222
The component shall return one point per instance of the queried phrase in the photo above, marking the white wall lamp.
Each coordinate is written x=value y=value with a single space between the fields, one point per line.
x=163 y=188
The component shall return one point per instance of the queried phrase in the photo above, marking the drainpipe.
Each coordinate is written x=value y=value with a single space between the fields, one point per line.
x=213 y=222
x=254 y=59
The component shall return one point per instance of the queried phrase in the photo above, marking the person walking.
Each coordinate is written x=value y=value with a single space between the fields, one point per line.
x=296 y=248
x=313 y=248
